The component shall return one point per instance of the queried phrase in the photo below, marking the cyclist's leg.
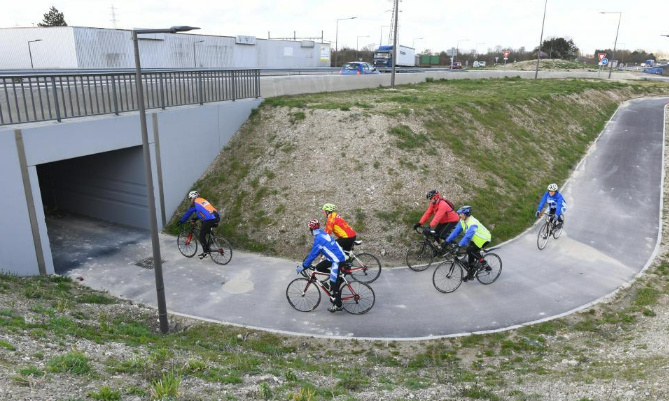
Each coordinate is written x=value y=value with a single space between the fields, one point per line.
x=346 y=243
x=473 y=253
x=205 y=229
x=443 y=231
x=335 y=283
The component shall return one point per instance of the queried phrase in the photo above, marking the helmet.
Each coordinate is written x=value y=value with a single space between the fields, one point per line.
x=314 y=224
x=329 y=207
x=431 y=194
x=552 y=187
x=193 y=194
x=466 y=210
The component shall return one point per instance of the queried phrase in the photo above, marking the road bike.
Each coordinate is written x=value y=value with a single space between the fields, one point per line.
x=449 y=275
x=304 y=293
x=362 y=267
x=220 y=250
x=550 y=228
x=421 y=254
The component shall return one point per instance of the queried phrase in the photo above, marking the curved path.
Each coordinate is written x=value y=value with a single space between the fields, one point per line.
x=611 y=234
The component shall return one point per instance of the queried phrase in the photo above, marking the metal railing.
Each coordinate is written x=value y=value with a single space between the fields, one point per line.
x=33 y=98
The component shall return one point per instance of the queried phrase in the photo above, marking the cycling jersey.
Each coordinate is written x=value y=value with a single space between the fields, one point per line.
x=443 y=213
x=555 y=203
x=338 y=226
x=324 y=244
x=203 y=211
x=474 y=231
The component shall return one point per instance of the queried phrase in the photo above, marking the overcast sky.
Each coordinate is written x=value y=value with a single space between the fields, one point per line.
x=477 y=24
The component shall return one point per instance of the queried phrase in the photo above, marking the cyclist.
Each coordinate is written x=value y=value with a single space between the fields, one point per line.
x=205 y=212
x=335 y=224
x=475 y=237
x=333 y=256
x=556 y=204
x=444 y=218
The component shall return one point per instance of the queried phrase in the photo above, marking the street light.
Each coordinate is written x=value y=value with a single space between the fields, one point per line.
x=394 y=66
x=541 y=39
x=413 y=43
x=157 y=261
x=613 y=55
x=357 y=39
x=194 y=58
x=337 y=38
x=30 y=52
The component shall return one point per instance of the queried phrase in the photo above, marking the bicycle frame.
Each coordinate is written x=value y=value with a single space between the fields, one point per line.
x=313 y=279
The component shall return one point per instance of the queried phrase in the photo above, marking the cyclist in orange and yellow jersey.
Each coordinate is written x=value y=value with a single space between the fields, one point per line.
x=336 y=225
x=205 y=212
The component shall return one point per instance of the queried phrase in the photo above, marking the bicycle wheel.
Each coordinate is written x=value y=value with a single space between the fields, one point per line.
x=357 y=298
x=365 y=268
x=447 y=277
x=542 y=237
x=419 y=256
x=491 y=270
x=220 y=250
x=303 y=295
x=187 y=243
x=558 y=231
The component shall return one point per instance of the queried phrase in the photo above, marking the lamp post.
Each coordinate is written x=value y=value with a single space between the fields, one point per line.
x=357 y=39
x=413 y=43
x=194 y=57
x=337 y=38
x=613 y=55
x=381 y=39
x=541 y=39
x=392 y=75
x=30 y=52
x=157 y=261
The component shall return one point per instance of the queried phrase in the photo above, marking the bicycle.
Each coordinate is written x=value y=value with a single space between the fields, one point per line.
x=363 y=267
x=421 y=254
x=304 y=293
x=220 y=249
x=549 y=229
x=448 y=276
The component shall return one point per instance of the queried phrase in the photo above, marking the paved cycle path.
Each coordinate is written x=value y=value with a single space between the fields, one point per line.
x=611 y=233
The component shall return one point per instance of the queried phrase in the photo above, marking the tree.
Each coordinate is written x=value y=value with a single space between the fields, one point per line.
x=53 y=18
x=559 y=48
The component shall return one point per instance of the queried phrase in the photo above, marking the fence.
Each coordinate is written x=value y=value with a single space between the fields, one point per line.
x=33 y=98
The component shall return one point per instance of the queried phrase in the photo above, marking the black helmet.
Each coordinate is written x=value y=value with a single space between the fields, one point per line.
x=431 y=194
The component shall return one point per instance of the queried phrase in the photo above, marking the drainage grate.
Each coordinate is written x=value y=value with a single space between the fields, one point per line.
x=146 y=263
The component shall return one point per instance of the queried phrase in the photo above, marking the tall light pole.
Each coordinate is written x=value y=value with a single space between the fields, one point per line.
x=613 y=55
x=392 y=75
x=337 y=38
x=157 y=261
x=30 y=52
x=357 y=39
x=194 y=57
x=541 y=39
x=381 y=40
x=413 y=43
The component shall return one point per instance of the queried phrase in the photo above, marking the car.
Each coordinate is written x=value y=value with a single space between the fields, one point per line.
x=456 y=65
x=358 y=68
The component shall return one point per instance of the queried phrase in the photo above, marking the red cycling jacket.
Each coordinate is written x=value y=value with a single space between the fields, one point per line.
x=443 y=213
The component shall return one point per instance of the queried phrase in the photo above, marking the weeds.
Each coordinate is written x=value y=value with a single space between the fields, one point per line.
x=168 y=386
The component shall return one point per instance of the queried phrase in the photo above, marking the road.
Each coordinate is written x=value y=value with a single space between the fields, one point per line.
x=611 y=234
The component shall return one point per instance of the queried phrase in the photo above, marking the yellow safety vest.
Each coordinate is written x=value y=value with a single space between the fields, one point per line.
x=481 y=236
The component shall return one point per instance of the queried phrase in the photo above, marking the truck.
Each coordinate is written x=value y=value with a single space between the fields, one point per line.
x=383 y=57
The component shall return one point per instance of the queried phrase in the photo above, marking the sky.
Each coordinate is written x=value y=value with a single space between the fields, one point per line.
x=436 y=25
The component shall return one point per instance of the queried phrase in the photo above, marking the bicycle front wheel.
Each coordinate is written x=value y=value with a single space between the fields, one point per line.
x=357 y=298
x=419 y=256
x=542 y=237
x=558 y=231
x=220 y=250
x=491 y=269
x=303 y=295
x=447 y=277
x=365 y=268
x=187 y=243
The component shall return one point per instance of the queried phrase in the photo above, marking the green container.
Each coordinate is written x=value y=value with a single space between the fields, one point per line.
x=434 y=60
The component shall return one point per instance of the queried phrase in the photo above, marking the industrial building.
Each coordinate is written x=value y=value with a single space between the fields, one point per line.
x=71 y=47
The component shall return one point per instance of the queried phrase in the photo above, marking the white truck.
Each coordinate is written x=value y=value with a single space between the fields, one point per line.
x=383 y=57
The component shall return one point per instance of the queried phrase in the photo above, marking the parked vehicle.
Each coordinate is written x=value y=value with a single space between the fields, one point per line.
x=457 y=65
x=357 y=68
x=383 y=57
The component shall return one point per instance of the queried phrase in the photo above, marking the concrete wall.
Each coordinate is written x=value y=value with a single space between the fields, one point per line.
x=105 y=170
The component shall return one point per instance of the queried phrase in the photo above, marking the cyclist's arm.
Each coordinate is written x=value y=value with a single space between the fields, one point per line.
x=315 y=250
x=442 y=209
x=426 y=215
x=456 y=231
x=542 y=202
x=186 y=215
x=559 y=203
x=468 y=235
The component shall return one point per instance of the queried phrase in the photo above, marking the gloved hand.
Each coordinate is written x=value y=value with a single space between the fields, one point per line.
x=300 y=269
x=415 y=226
x=536 y=214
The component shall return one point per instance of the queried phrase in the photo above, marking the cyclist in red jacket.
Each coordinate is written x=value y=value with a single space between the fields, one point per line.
x=444 y=220
x=203 y=211
x=335 y=224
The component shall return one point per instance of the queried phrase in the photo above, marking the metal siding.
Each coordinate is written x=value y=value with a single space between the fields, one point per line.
x=56 y=50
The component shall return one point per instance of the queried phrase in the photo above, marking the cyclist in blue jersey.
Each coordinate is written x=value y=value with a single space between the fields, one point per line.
x=327 y=246
x=205 y=212
x=556 y=204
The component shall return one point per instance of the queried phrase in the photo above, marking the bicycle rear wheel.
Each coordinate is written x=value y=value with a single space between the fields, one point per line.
x=419 y=256
x=187 y=243
x=357 y=298
x=220 y=250
x=542 y=236
x=303 y=295
x=447 y=277
x=558 y=231
x=491 y=269
x=365 y=268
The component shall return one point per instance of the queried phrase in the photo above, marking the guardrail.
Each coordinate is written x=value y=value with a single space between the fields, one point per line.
x=57 y=96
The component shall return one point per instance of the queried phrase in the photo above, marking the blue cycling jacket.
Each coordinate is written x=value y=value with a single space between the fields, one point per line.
x=556 y=202
x=203 y=211
x=326 y=245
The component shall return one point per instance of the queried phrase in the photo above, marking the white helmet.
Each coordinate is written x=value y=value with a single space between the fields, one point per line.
x=552 y=187
x=193 y=194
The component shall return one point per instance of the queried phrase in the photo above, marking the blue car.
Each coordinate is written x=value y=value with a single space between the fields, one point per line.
x=358 y=68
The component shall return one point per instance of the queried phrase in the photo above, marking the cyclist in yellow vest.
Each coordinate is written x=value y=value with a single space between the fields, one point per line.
x=475 y=237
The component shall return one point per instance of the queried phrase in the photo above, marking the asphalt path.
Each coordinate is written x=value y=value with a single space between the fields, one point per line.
x=611 y=234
